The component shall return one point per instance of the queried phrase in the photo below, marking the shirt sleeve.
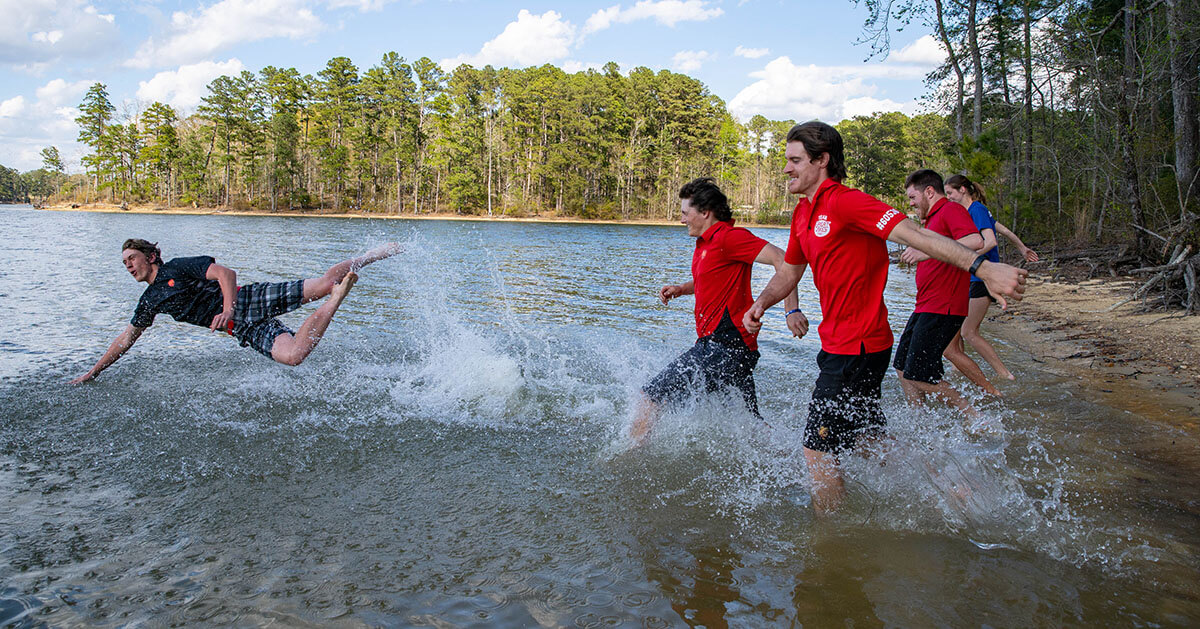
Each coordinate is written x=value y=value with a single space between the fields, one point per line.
x=741 y=245
x=143 y=315
x=867 y=214
x=794 y=254
x=958 y=222
x=981 y=216
x=196 y=267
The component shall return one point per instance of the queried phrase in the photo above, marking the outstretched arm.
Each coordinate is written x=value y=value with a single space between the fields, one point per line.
x=1002 y=280
x=119 y=346
x=796 y=321
x=227 y=278
x=1029 y=254
x=781 y=285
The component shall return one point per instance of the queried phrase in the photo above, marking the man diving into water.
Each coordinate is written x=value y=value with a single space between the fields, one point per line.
x=725 y=354
x=199 y=291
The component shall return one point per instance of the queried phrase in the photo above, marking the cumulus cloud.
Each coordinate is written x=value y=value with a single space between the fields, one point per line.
x=926 y=51
x=751 y=53
x=48 y=119
x=363 y=6
x=529 y=41
x=667 y=12
x=192 y=36
x=185 y=87
x=689 y=60
x=37 y=31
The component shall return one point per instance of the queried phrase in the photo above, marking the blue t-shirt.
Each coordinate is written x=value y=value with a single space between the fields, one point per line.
x=983 y=220
x=182 y=290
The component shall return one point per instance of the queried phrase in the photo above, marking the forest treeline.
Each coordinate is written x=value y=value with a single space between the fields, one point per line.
x=1078 y=117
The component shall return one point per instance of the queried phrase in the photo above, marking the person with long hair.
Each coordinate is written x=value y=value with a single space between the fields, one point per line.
x=971 y=195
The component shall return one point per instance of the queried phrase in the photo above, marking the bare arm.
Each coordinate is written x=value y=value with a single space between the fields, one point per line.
x=989 y=241
x=781 y=285
x=913 y=255
x=1029 y=254
x=119 y=346
x=1002 y=280
x=796 y=321
x=671 y=291
x=227 y=278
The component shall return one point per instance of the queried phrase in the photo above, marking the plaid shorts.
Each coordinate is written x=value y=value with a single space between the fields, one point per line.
x=254 y=323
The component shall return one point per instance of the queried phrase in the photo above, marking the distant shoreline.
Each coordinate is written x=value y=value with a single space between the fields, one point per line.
x=442 y=216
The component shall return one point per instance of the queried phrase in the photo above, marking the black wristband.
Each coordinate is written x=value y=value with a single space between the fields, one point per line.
x=975 y=265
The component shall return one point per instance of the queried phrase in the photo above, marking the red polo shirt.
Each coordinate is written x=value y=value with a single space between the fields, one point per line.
x=942 y=288
x=721 y=267
x=840 y=234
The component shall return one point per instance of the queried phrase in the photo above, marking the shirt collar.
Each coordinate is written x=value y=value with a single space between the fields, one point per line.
x=936 y=206
x=712 y=231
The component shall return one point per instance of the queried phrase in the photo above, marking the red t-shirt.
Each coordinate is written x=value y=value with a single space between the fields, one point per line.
x=841 y=234
x=721 y=267
x=942 y=288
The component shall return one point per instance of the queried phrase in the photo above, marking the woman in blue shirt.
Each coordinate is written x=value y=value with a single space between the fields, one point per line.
x=965 y=192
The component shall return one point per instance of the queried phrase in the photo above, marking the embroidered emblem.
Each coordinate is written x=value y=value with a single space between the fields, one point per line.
x=171 y=283
x=821 y=229
x=823 y=432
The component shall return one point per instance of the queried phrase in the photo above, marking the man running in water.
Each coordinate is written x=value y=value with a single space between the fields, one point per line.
x=841 y=233
x=725 y=354
x=199 y=291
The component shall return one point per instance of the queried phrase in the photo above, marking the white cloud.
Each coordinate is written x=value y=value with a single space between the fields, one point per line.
x=58 y=92
x=36 y=31
x=363 y=6
x=751 y=53
x=926 y=51
x=185 y=87
x=689 y=60
x=531 y=40
x=12 y=107
x=194 y=36
x=667 y=12
x=867 y=106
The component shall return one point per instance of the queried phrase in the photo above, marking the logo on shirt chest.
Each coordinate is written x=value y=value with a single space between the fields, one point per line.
x=821 y=229
x=171 y=283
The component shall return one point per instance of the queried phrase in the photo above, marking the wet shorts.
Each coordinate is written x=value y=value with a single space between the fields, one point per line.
x=925 y=337
x=254 y=323
x=979 y=289
x=709 y=363
x=845 y=401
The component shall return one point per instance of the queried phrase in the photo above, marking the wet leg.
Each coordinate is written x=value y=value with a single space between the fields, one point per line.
x=967 y=366
x=319 y=287
x=828 y=488
x=647 y=412
x=292 y=350
x=970 y=333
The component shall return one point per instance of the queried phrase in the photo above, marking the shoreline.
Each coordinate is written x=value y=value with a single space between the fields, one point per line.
x=439 y=216
x=1142 y=362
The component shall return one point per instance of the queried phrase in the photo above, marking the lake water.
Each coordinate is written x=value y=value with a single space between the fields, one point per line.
x=452 y=455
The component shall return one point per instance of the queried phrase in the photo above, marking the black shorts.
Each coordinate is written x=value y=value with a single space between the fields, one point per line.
x=711 y=364
x=979 y=289
x=925 y=337
x=254 y=322
x=845 y=401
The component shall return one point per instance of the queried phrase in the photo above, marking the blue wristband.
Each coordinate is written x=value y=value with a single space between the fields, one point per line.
x=790 y=312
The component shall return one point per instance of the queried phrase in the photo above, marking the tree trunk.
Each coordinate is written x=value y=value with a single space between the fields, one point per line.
x=1183 y=86
x=1130 y=187
x=977 y=65
x=958 y=73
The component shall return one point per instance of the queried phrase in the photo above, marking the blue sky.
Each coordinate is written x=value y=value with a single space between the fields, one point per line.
x=783 y=59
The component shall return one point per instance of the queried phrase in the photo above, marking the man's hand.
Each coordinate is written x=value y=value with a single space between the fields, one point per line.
x=752 y=320
x=913 y=256
x=1029 y=254
x=84 y=378
x=221 y=321
x=667 y=293
x=798 y=324
x=1003 y=281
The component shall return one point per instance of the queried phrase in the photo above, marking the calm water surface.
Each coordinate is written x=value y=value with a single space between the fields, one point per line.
x=452 y=455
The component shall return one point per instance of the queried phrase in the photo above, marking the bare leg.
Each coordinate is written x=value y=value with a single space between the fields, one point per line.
x=646 y=414
x=942 y=390
x=319 y=287
x=828 y=488
x=915 y=396
x=292 y=350
x=968 y=367
x=970 y=333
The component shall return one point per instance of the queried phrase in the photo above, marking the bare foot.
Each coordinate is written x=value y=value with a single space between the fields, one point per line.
x=1008 y=376
x=343 y=287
